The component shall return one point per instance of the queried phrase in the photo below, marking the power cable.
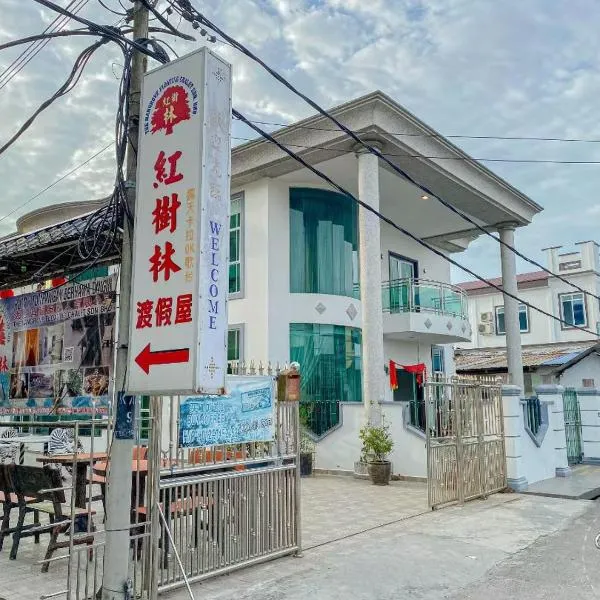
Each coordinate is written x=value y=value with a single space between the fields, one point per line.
x=63 y=177
x=30 y=53
x=197 y=16
x=393 y=224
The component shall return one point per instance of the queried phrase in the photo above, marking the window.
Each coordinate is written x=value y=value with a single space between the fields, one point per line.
x=235 y=348
x=572 y=310
x=437 y=359
x=235 y=245
x=523 y=320
x=587 y=383
x=323 y=243
x=330 y=359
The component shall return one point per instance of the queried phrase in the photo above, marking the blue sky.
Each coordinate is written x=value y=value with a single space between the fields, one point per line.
x=470 y=67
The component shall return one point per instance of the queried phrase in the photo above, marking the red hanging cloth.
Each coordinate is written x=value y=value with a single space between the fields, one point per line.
x=420 y=370
x=393 y=375
x=6 y=294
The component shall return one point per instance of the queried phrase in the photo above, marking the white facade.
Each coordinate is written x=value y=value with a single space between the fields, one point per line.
x=581 y=268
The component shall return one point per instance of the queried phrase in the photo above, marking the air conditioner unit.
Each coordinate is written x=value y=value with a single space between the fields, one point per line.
x=486 y=317
x=486 y=328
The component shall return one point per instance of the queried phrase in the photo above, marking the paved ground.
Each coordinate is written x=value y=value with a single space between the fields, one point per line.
x=425 y=556
x=584 y=484
x=369 y=543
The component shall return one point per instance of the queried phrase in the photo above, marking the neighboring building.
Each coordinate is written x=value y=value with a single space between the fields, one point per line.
x=550 y=349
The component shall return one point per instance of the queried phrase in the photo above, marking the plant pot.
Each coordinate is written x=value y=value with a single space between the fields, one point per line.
x=380 y=472
x=306 y=464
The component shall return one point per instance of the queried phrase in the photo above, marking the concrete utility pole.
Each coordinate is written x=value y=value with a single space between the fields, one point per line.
x=514 y=357
x=118 y=492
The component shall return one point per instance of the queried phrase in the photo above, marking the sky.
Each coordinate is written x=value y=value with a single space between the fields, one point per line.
x=466 y=67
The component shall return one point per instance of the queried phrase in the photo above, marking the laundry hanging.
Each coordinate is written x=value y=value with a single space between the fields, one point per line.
x=420 y=370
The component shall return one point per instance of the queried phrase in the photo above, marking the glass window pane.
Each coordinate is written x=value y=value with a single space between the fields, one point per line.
x=567 y=308
x=234 y=279
x=233 y=344
x=578 y=310
x=234 y=246
x=500 y=326
x=323 y=243
x=329 y=356
x=523 y=320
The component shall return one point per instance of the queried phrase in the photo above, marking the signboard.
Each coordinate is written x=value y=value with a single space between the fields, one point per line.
x=178 y=340
x=245 y=414
x=125 y=416
x=56 y=349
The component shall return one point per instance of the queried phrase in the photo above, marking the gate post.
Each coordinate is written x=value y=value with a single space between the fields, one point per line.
x=553 y=396
x=514 y=427
x=589 y=406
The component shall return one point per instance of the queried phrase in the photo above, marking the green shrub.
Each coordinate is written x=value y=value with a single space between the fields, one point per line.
x=376 y=441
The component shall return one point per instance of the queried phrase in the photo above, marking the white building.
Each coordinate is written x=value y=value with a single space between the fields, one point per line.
x=547 y=345
x=315 y=280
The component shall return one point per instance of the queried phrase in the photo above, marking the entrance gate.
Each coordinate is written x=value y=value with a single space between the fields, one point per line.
x=572 y=426
x=465 y=439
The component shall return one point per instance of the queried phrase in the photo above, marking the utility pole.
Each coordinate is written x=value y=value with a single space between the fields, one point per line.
x=115 y=584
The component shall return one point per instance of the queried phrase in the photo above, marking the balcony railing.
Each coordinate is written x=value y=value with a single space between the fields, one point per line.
x=422 y=295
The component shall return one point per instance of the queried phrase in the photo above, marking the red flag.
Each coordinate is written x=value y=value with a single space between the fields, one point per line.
x=6 y=294
x=393 y=375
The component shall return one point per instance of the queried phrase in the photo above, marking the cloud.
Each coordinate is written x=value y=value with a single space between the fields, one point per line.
x=463 y=66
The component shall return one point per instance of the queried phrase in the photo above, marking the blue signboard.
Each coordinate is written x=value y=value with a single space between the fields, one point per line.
x=245 y=414
x=125 y=417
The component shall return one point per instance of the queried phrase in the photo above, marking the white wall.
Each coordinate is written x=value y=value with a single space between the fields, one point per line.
x=340 y=449
x=587 y=368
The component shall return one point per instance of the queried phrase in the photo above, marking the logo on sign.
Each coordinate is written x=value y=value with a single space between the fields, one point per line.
x=174 y=101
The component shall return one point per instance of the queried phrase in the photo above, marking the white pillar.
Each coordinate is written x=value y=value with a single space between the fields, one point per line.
x=513 y=437
x=373 y=360
x=553 y=396
x=511 y=306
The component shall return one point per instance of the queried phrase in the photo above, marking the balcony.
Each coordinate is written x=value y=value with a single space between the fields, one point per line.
x=426 y=311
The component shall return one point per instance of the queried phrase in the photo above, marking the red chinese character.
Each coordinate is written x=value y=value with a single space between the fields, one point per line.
x=163 y=262
x=183 y=310
x=172 y=108
x=165 y=213
x=144 y=314
x=161 y=173
x=2 y=331
x=3 y=364
x=164 y=307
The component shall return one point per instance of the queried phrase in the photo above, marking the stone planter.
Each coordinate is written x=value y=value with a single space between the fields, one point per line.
x=380 y=472
x=361 y=470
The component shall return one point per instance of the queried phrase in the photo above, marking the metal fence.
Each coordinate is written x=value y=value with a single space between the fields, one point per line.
x=572 y=416
x=533 y=414
x=465 y=439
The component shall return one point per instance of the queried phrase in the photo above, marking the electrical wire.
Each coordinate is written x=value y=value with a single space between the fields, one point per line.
x=393 y=224
x=440 y=136
x=114 y=12
x=198 y=17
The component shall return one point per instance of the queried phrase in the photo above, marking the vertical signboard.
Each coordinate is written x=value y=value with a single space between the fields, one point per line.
x=178 y=339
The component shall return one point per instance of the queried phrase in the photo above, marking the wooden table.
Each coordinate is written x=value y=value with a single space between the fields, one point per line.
x=82 y=461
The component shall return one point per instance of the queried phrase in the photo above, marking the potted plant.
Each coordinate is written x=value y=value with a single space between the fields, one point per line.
x=307 y=446
x=377 y=444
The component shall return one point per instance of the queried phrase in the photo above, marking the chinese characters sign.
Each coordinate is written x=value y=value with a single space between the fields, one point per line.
x=245 y=414
x=56 y=349
x=178 y=340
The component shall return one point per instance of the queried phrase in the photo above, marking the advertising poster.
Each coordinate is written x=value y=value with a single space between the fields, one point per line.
x=56 y=349
x=244 y=414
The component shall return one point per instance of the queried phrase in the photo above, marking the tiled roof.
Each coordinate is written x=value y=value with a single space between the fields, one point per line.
x=492 y=359
x=522 y=278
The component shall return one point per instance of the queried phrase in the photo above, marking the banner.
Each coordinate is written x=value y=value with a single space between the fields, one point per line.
x=56 y=349
x=244 y=414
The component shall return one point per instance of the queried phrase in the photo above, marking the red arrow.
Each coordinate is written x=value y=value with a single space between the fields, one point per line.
x=146 y=358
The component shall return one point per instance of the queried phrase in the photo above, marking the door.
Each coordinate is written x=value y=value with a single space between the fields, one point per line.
x=572 y=426
x=402 y=272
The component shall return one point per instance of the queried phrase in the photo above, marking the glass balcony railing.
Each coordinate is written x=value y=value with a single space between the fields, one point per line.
x=422 y=295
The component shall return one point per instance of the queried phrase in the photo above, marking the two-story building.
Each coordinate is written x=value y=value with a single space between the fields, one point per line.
x=550 y=349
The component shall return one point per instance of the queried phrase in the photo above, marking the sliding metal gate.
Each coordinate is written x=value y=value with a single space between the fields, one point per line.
x=572 y=426
x=465 y=439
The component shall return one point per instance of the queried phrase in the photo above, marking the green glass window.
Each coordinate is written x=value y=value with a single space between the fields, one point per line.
x=235 y=246
x=323 y=243
x=330 y=361
x=523 y=319
x=234 y=338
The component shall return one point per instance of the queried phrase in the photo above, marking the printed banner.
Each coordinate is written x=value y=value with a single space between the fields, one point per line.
x=56 y=349
x=245 y=414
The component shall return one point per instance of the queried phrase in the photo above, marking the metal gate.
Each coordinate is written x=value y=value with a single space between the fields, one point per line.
x=465 y=439
x=572 y=426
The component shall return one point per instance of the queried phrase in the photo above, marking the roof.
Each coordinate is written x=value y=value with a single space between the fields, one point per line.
x=522 y=278
x=547 y=355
